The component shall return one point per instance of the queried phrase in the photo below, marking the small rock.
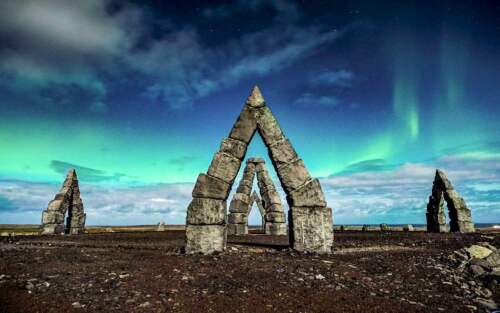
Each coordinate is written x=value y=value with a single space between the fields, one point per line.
x=77 y=305
x=145 y=304
x=477 y=270
x=319 y=277
x=489 y=304
x=124 y=275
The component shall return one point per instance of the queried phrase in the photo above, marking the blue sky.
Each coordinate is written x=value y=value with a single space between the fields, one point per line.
x=137 y=95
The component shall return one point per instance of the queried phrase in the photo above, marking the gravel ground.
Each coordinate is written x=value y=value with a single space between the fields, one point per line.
x=147 y=272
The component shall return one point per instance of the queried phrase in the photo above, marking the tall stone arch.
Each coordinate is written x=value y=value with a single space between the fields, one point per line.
x=270 y=207
x=310 y=220
x=459 y=214
x=67 y=200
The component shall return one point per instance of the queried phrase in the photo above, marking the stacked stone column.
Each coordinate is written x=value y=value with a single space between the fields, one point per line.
x=237 y=222
x=274 y=219
x=66 y=200
x=311 y=223
x=459 y=213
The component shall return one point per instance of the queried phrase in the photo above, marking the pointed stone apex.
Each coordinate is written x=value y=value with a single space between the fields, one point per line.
x=71 y=174
x=442 y=180
x=255 y=99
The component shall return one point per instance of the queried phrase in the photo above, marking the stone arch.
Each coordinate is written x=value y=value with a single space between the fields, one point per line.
x=310 y=220
x=270 y=207
x=458 y=212
x=254 y=198
x=67 y=200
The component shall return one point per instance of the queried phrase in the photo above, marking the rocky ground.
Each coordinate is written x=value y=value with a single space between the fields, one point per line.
x=147 y=272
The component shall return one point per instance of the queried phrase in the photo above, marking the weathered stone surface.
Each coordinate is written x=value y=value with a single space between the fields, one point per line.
x=67 y=200
x=255 y=99
x=238 y=206
x=268 y=127
x=310 y=194
x=476 y=251
x=275 y=217
x=233 y=147
x=237 y=218
x=205 y=239
x=245 y=126
x=293 y=175
x=274 y=208
x=276 y=229
x=311 y=229
x=210 y=187
x=244 y=189
x=282 y=153
x=206 y=211
x=255 y=160
x=459 y=213
x=237 y=229
x=225 y=167
x=269 y=198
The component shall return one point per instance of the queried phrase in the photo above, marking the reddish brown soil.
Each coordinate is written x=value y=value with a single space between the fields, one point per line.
x=147 y=272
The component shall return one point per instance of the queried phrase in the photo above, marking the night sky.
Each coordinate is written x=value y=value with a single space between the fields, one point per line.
x=137 y=95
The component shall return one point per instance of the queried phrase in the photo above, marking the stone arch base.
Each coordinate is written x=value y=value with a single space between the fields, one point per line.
x=459 y=213
x=270 y=207
x=310 y=220
x=66 y=201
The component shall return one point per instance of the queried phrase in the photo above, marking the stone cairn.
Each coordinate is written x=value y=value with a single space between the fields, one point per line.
x=66 y=200
x=459 y=213
x=311 y=226
x=270 y=206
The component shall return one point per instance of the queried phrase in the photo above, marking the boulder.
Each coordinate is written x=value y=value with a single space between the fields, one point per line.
x=233 y=147
x=476 y=251
x=210 y=187
x=293 y=175
x=311 y=229
x=225 y=167
x=310 y=194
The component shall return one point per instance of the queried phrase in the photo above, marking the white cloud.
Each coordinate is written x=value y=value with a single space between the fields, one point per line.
x=340 y=78
x=312 y=100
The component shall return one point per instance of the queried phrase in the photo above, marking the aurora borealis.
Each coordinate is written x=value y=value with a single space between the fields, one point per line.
x=137 y=96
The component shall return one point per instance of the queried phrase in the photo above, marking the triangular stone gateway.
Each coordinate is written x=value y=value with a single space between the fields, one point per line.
x=459 y=213
x=254 y=198
x=67 y=200
x=310 y=220
x=270 y=207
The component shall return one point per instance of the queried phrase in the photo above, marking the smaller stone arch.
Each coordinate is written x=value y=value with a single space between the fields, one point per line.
x=67 y=200
x=458 y=212
x=269 y=204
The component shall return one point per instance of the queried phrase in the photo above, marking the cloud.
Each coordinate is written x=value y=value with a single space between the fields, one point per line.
x=340 y=78
x=312 y=100
x=54 y=47
x=85 y=173
x=371 y=193
x=373 y=165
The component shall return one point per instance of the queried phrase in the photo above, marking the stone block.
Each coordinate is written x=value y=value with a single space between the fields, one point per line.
x=271 y=197
x=52 y=217
x=51 y=229
x=55 y=205
x=245 y=126
x=237 y=218
x=206 y=211
x=244 y=189
x=276 y=229
x=311 y=229
x=234 y=147
x=238 y=206
x=225 y=167
x=282 y=153
x=275 y=208
x=205 y=239
x=293 y=175
x=275 y=217
x=255 y=160
x=309 y=194
x=237 y=229
x=268 y=127
x=210 y=187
